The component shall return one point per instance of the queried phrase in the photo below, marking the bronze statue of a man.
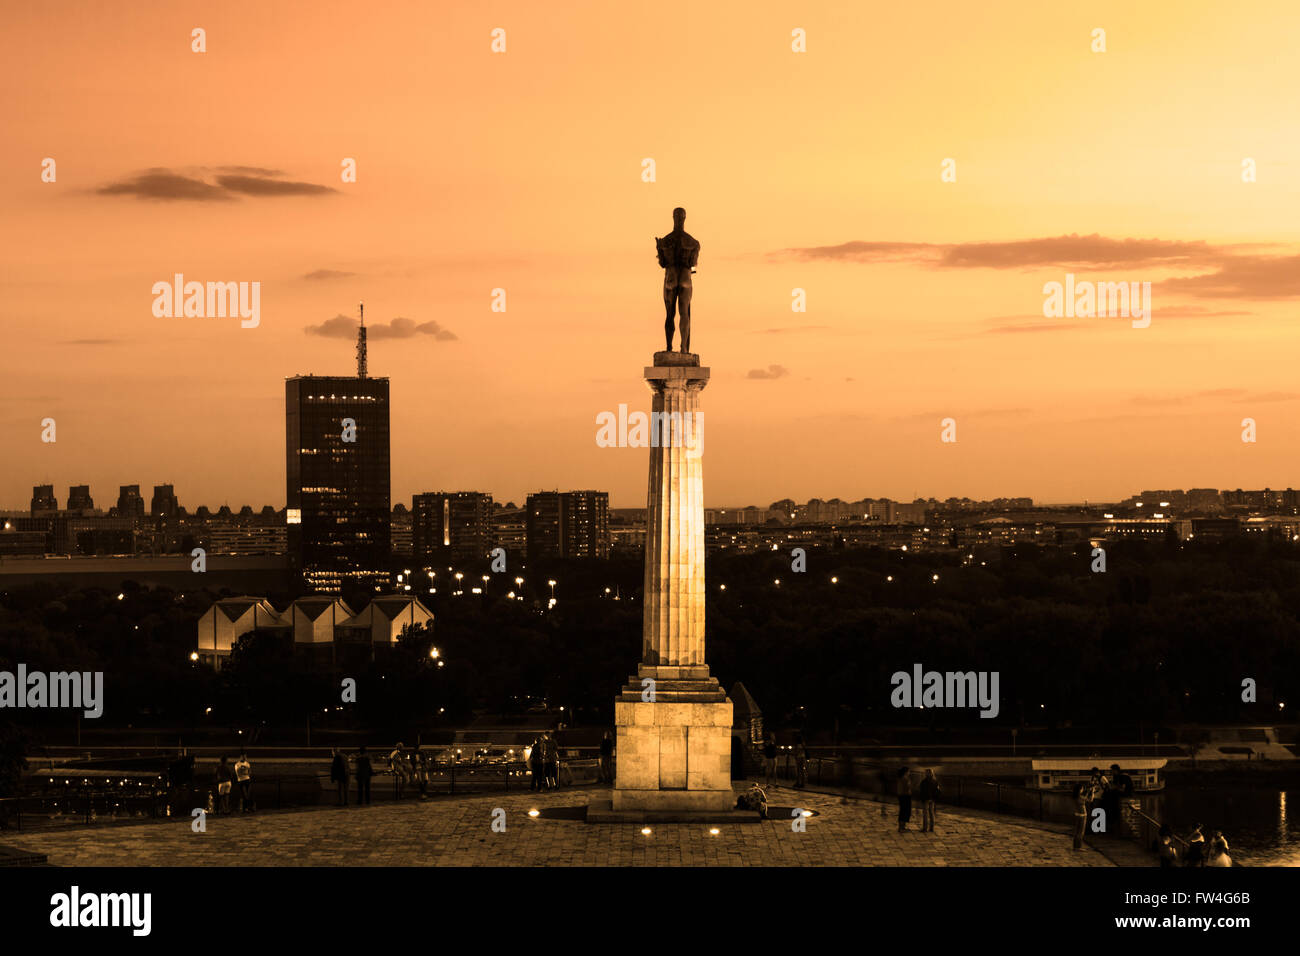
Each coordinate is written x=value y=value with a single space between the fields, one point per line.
x=678 y=254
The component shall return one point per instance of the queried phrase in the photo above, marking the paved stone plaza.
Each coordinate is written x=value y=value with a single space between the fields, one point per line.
x=456 y=831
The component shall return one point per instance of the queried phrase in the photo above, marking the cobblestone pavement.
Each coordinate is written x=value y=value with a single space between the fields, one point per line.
x=456 y=831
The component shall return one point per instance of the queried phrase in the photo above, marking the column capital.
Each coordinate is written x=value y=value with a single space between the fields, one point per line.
x=676 y=376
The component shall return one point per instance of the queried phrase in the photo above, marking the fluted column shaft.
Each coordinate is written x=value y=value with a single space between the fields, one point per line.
x=673 y=623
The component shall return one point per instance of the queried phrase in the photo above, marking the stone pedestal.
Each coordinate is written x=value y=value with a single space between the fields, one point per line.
x=673 y=718
x=674 y=753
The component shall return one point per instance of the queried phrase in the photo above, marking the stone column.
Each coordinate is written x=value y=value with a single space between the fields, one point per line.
x=672 y=643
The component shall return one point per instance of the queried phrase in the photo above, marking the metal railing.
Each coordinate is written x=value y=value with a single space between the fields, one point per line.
x=45 y=807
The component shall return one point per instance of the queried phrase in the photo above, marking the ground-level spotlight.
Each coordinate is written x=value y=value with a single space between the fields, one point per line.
x=646 y=831
x=714 y=831
x=534 y=813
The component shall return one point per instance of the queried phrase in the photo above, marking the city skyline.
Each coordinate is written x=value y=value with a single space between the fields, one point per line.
x=500 y=502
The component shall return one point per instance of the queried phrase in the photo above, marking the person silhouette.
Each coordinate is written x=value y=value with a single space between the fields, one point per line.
x=679 y=252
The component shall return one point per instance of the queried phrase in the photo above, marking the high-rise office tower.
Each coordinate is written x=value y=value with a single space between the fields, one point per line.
x=568 y=524
x=44 y=504
x=338 y=482
x=129 y=502
x=454 y=525
x=79 y=499
x=164 y=503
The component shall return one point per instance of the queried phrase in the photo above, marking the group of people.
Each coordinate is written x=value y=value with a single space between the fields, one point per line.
x=1104 y=791
x=1199 y=852
x=226 y=779
x=800 y=751
x=409 y=768
x=926 y=791
x=543 y=758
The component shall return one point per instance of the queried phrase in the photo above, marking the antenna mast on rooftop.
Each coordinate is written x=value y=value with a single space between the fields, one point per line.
x=361 y=344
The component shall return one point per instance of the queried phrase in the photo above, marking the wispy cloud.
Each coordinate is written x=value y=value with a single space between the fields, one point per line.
x=328 y=274
x=193 y=185
x=1244 y=277
x=1064 y=251
x=160 y=184
x=345 y=327
x=1037 y=327
x=1242 y=271
x=772 y=371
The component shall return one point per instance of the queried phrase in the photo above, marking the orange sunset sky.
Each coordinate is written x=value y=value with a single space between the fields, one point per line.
x=522 y=170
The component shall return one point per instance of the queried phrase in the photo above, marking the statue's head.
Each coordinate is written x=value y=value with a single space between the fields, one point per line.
x=679 y=217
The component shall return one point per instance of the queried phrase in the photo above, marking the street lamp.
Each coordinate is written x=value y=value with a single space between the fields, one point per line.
x=552 y=584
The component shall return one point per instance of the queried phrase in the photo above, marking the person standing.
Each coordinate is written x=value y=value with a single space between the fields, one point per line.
x=769 y=760
x=1218 y=850
x=1195 y=847
x=224 y=777
x=904 y=798
x=800 y=762
x=535 y=764
x=244 y=777
x=339 y=774
x=1080 y=795
x=550 y=761
x=1165 y=847
x=397 y=764
x=364 y=773
x=420 y=772
x=607 y=758
x=928 y=791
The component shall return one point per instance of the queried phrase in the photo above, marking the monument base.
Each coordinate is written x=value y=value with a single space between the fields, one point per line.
x=673 y=755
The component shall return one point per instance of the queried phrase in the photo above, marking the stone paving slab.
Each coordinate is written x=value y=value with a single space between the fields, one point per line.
x=456 y=831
